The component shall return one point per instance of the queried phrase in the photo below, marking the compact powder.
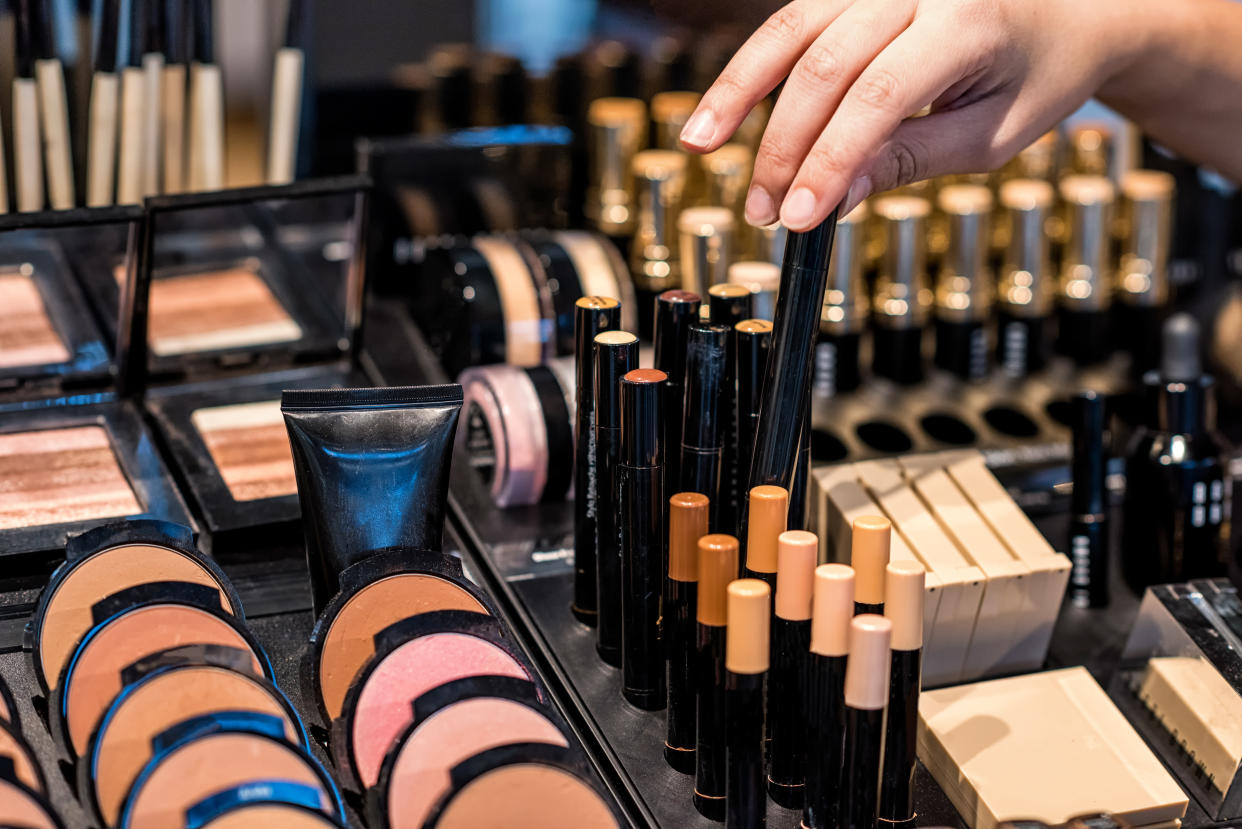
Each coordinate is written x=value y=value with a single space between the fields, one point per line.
x=211 y=764
x=350 y=640
x=27 y=336
x=524 y=327
x=270 y=816
x=384 y=710
x=24 y=765
x=94 y=676
x=228 y=308
x=123 y=743
x=67 y=616
x=420 y=772
x=250 y=448
x=55 y=476
x=20 y=808
x=526 y=794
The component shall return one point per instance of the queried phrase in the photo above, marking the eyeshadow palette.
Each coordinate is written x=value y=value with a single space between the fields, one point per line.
x=250 y=448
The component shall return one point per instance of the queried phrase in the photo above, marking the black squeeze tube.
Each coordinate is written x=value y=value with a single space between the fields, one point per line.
x=588 y=322
x=1021 y=343
x=729 y=311
x=864 y=741
x=710 y=756
x=783 y=406
x=787 y=712
x=681 y=598
x=675 y=310
x=703 y=435
x=612 y=362
x=747 y=805
x=825 y=739
x=1088 y=536
x=643 y=536
x=752 y=362
x=901 y=737
x=372 y=468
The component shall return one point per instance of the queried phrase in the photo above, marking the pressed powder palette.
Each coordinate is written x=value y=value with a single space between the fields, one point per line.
x=250 y=448
x=27 y=336
x=412 y=657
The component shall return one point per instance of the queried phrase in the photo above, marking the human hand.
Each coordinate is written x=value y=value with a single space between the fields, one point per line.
x=996 y=74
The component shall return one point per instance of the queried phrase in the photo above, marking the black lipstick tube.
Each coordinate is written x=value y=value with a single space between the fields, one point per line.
x=592 y=315
x=825 y=734
x=864 y=742
x=729 y=304
x=675 y=310
x=642 y=537
x=791 y=642
x=901 y=737
x=710 y=765
x=1088 y=541
x=616 y=354
x=703 y=434
x=746 y=802
x=754 y=339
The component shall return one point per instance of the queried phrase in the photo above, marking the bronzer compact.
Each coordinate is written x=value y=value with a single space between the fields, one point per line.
x=73 y=452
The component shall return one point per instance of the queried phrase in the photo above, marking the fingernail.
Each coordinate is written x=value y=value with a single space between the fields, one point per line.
x=859 y=190
x=700 y=129
x=798 y=209
x=760 y=210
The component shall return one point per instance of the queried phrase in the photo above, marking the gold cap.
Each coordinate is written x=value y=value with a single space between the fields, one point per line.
x=795 y=574
x=1086 y=267
x=903 y=602
x=597 y=303
x=616 y=127
x=964 y=286
x=867 y=670
x=869 y=554
x=659 y=185
x=833 y=608
x=845 y=298
x=706 y=247
x=769 y=512
x=1147 y=204
x=717 y=567
x=747 y=637
x=901 y=294
x=754 y=327
x=687 y=523
x=1026 y=282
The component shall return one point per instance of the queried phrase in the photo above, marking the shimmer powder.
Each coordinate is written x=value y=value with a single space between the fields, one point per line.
x=250 y=448
x=350 y=640
x=27 y=336
x=210 y=764
x=384 y=709
x=94 y=676
x=122 y=745
x=526 y=794
x=25 y=767
x=19 y=807
x=67 y=616
x=420 y=773
x=55 y=476
x=270 y=816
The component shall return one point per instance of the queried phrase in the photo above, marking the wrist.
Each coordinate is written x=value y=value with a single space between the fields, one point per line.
x=1127 y=32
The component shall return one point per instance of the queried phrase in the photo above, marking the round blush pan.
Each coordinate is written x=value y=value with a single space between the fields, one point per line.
x=199 y=768
x=121 y=746
x=23 y=808
x=93 y=679
x=525 y=794
x=383 y=709
x=350 y=637
x=25 y=768
x=64 y=616
x=420 y=771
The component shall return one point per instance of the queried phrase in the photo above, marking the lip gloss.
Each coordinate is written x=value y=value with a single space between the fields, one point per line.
x=768 y=512
x=904 y=597
x=592 y=315
x=869 y=554
x=866 y=693
x=703 y=433
x=717 y=567
x=791 y=643
x=687 y=523
x=746 y=668
x=832 y=610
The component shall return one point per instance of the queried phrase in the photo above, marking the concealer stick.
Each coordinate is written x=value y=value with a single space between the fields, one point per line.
x=832 y=610
x=903 y=607
x=798 y=552
x=869 y=554
x=866 y=694
x=687 y=517
x=747 y=655
x=717 y=567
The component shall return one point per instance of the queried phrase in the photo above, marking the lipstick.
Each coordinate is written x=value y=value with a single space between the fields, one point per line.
x=768 y=511
x=843 y=319
x=729 y=304
x=615 y=130
x=746 y=668
x=903 y=591
x=703 y=432
x=899 y=309
x=659 y=181
x=675 y=311
x=706 y=247
x=1026 y=283
x=754 y=338
x=642 y=536
x=592 y=316
x=1085 y=286
x=616 y=354
x=866 y=693
x=869 y=555
x=1143 y=279
x=832 y=610
x=1088 y=540
x=963 y=296
x=787 y=683
x=717 y=567
x=687 y=523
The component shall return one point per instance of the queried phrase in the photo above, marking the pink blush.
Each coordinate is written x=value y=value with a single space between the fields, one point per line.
x=384 y=705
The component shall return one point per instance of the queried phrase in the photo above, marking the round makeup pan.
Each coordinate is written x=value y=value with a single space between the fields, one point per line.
x=93 y=678
x=269 y=803
x=23 y=807
x=121 y=746
x=203 y=764
x=453 y=723
x=105 y=561
x=26 y=768
x=412 y=657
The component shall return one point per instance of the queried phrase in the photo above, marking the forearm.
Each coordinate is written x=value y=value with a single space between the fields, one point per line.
x=1181 y=80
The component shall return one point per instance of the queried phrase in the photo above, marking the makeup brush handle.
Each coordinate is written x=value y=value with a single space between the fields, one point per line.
x=27 y=152
x=206 y=127
x=54 y=114
x=173 y=94
x=129 y=163
x=101 y=151
x=152 y=153
x=282 y=150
